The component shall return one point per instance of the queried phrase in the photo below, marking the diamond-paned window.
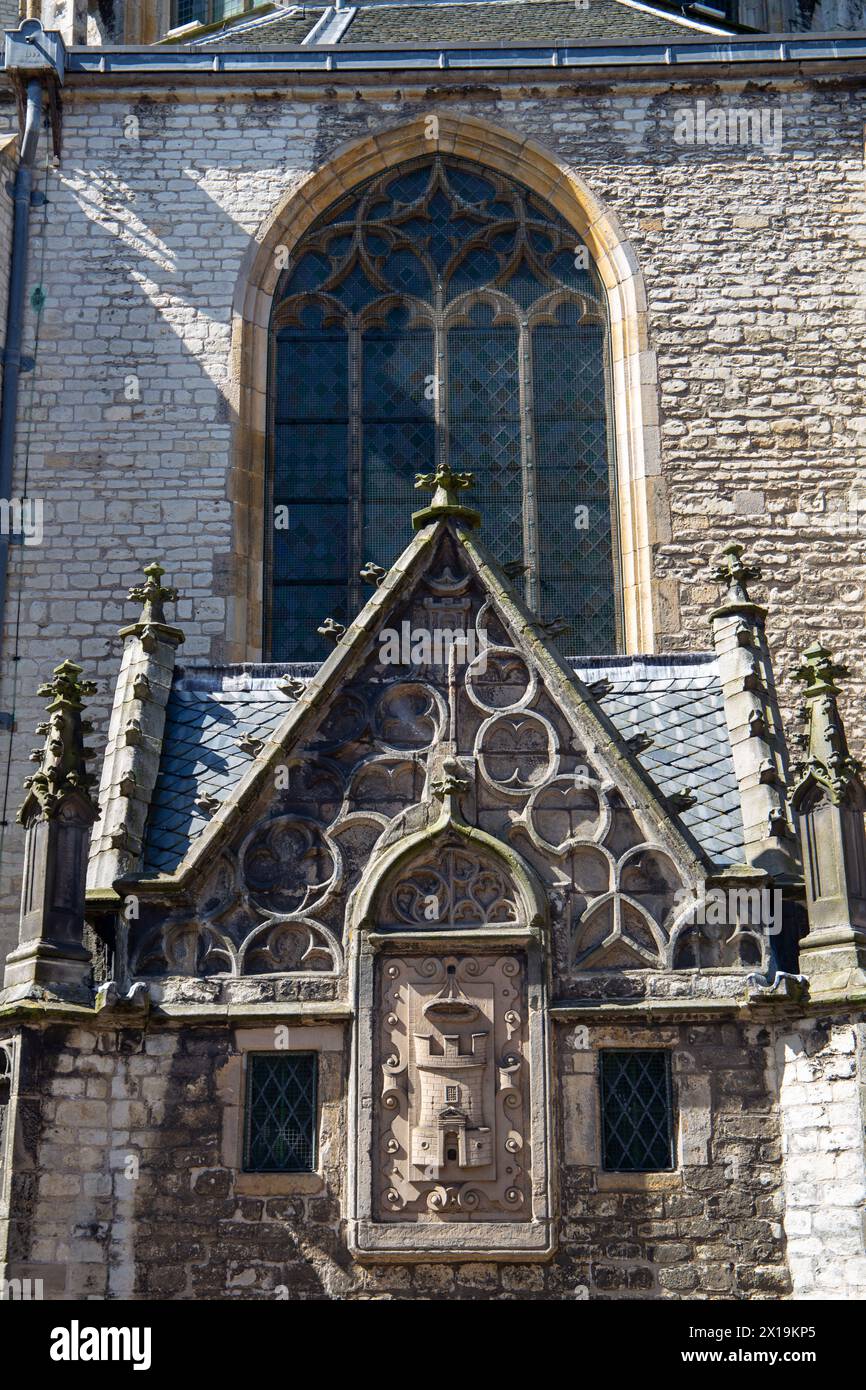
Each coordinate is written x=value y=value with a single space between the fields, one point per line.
x=441 y=313
x=636 y=1111
x=281 y=1113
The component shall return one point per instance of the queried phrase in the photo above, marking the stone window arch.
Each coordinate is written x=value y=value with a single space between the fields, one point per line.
x=442 y=312
x=641 y=516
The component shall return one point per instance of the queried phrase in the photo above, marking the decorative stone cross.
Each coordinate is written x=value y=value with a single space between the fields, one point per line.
x=153 y=595
x=444 y=484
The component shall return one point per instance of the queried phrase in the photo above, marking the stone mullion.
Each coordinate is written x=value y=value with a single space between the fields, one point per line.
x=529 y=489
x=440 y=367
x=356 y=464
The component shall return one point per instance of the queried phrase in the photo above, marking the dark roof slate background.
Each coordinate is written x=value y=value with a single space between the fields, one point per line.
x=285 y=31
x=495 y=22
x=677 y=701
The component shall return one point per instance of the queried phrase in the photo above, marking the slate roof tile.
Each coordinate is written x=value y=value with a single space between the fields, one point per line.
x=678 y=702
x=387 y=24
x=286 y=29
x=505 y=21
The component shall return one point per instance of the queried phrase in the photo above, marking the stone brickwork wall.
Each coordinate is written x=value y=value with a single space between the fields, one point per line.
x=711 y=1229
x=127 y=1180
x=822 y=1095
x=752 y=266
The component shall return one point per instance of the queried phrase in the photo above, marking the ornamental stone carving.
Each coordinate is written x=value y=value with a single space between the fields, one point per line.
x=451 y=1139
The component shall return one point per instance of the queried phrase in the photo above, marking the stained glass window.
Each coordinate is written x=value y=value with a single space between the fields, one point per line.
x=439 y=313
x=281 y=1113
x=636 y=1111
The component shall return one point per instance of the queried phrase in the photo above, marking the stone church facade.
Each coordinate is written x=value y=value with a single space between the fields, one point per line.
x=443 y=875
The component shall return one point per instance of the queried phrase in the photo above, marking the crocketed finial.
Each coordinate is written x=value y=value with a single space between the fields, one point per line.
x=62 y=758
x=731 y=571
x=734 y=574
x=444 y=484
x=153 y=595
x=828 y=761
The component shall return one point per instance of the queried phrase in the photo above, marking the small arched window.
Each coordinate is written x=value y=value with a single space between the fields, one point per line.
x=441 y=312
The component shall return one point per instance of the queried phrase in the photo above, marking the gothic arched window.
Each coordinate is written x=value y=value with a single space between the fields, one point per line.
x=439 y=312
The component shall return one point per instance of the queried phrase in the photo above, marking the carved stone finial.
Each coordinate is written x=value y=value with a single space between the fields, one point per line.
x=291 y=685
x=332 y=630
x=828 y=761
x=732 y=572
x=62 y=759
x=444 y=484
x=373 y=573
x=153 y=595
x=453 y=780
x=58 y=814
x=553 y=627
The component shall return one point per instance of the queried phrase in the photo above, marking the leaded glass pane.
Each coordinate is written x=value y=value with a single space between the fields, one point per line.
x=441 y=312
x=398 y=432
x=281 y=1113
x=575 y=560
x=484 y=428
x=299 y=610
x=636 y=1108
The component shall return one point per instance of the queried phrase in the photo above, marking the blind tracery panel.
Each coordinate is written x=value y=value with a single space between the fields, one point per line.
x=439 y=313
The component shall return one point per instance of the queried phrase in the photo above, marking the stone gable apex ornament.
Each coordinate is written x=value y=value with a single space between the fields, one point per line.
x=444 y=484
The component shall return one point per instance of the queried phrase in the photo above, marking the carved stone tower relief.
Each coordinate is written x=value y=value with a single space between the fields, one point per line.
x=451 y=1138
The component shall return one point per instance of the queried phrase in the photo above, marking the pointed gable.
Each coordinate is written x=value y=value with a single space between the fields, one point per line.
x=443 y=674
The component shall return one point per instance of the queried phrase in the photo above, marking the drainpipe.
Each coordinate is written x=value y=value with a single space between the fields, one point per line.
x=22 y=196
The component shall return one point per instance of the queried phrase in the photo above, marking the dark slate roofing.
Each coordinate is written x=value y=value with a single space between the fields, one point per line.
x=391 y=23
x=675 y=700
x=505 y=21
x=286 y=28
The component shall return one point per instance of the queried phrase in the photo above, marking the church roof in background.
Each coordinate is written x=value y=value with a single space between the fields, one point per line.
x=389 y=24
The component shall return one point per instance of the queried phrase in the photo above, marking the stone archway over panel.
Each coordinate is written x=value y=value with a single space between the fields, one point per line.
x=643 y=518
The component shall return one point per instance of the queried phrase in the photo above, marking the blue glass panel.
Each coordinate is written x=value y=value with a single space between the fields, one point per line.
x=310 y=461
x=297 y=611
x=311 y=375
x=396 y=375
x=312 y=271
x=311 y=542
x=573 y=487
x=469 y=223
x=484 y=427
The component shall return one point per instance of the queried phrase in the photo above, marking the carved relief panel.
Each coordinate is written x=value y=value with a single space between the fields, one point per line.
x=450 y=1133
